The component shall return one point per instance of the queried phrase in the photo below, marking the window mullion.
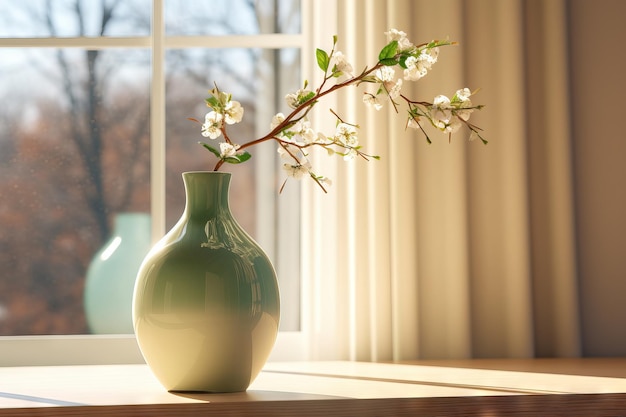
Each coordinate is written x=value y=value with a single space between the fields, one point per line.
x=264 y=40
x=77 y=42
x=157 y=122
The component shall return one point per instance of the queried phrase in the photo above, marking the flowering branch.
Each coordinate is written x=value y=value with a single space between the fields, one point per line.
x=293 y=132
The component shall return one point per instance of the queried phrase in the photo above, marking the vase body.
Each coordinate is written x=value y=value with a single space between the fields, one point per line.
x=206 y=301
x=111 y=275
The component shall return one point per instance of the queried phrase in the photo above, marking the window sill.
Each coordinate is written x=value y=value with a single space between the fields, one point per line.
x=323 y=388
x=108 y=349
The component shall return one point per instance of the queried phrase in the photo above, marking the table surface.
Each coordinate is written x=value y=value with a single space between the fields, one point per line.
x=536 y=387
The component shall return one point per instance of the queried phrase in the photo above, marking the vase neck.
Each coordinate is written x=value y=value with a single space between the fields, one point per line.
x=206 y=194
x=131 y=224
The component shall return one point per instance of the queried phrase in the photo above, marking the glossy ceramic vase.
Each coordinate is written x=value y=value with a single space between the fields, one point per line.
x=111 y=275
x=206 y=302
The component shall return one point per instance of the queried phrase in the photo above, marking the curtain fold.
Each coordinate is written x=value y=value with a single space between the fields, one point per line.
x=550 y=161
x=500 y=240
x=448 y=250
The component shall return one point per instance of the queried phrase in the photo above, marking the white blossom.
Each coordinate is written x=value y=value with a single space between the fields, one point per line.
x=462 y=102
x=430 y=54
x=233 y=112
x=293 y=133
x=295 y=99
x=372 y=100
x=297 y=171
x=462 y=94
x=442 y=115
x=228 y=149
x=393 y=89
x=390 y=86
x=347 y=135
x=397 y=35
x=302 y=133
x=418 y=66
x=277 y=120
x=324 y=180
x=350 y=154
x=413 y=123
x=441 y=111
x=212 y=125
x=413 y=70
x=309 y=136
x=453 y=126
x=385 y=73
x=287 y=151
x=341 y=64
x=441 y=102
x=292 y=100
x=463 y=114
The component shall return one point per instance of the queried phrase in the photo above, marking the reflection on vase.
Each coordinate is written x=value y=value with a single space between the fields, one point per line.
x=112 y=272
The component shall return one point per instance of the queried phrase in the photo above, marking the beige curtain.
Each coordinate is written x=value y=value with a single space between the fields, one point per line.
x=448 y=250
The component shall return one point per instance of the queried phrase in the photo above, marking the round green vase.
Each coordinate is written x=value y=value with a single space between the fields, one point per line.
x=206 y=304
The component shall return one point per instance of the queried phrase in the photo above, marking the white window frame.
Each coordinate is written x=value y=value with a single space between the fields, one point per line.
x=116 y=349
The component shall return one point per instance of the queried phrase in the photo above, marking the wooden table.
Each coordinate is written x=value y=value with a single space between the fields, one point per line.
x=578 y=387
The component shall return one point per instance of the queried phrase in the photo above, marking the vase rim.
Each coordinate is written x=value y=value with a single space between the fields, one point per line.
x=132 y=213
x=207 y=172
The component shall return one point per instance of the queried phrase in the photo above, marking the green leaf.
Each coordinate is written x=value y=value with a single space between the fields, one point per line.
x=308 y=97
x=211 y=149
x=322 y=59
x=238 y=159
x=403 y=59
x=390 y=62
x=389 y=51
x=369 y=79
x=212 y=102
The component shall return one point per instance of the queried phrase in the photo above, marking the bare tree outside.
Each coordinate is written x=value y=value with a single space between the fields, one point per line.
x=74 y=141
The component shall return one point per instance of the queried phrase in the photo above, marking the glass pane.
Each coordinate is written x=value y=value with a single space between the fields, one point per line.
x=231 y=17
x=73 y=18
x=259 y=81
x=74 y=153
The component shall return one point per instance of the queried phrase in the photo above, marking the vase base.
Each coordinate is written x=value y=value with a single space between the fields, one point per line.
x=192 y=393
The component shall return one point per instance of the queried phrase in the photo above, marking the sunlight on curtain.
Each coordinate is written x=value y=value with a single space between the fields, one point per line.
x=427 y=252
x=552 y=210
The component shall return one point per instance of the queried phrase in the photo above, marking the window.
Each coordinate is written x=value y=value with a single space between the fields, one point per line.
x=100 y=94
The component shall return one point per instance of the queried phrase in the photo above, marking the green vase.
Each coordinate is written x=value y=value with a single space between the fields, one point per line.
x=111 y=275
x=206 y=303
